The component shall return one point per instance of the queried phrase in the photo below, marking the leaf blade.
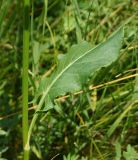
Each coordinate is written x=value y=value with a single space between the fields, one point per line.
x=79 y=63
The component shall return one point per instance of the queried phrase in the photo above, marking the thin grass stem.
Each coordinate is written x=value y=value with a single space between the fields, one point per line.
x=26 y=41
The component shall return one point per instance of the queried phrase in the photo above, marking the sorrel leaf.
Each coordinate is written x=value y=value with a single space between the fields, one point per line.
x=81 y=62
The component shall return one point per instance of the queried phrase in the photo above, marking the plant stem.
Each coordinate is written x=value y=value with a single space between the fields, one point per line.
x=26 y=41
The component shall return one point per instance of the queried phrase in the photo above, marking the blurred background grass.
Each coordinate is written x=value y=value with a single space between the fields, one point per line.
x=92 y=125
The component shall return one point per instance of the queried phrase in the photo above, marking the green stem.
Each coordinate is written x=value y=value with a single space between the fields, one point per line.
x=26 y=41
x=34 y=121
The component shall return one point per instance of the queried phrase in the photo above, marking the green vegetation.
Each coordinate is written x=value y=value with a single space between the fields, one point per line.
x=68 y=82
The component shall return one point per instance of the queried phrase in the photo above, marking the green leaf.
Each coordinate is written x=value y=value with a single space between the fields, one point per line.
x=130 y=154
x=135 y=93
x=2 y=132
x=78 y=65
x=118 y=151
x=48 y=105
x=119 y=119
x=70 y=157
x=36 y=52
